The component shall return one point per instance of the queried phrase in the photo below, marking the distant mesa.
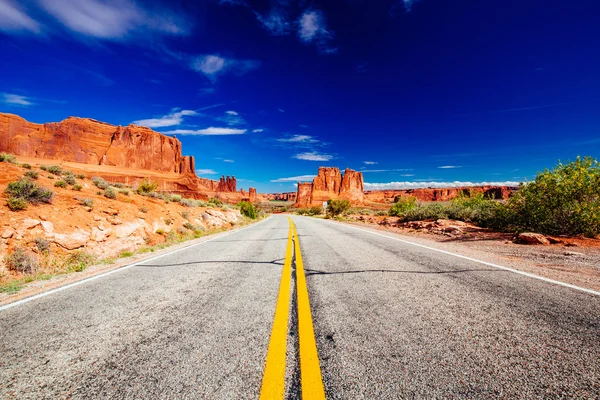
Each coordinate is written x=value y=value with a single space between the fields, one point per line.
x=128 y=154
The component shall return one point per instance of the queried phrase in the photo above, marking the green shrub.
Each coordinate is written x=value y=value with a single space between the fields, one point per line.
x=124 y=192
x=247 y=209
x=100 y=183
x=80 y=176
x=336 y=207
x=53 y=169
x=29 y=191
x=110 y=193
x=16 y=203
x=215 y=201
x=565 y=200
x=402 y=205
x=60 y=184
x=176 y=198
x=190 y=226
x=9 y=158
x=42 y=244
x=31 y=174
x=185 y=214
x=78 y=261
x=77 y=187
x=302 y=211
x=147 y=186
x=187 y=202
x=160 y=231
x=119 y=185
x=22 y=261
x=70 y=179
x=125 y=254
x=26 y=166
x=85 y=202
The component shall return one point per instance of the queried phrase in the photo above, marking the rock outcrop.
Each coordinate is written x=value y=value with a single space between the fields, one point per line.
x=252 y=196
x=289 y=196
x=126 y=152
x=330 y=184
x=439 y=194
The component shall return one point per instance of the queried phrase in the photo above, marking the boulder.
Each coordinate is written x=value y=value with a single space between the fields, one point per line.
x=73 y=241
x=127 y=229
x=532 y=238
x=100 y=234
x=48 y=227
x=8 y=233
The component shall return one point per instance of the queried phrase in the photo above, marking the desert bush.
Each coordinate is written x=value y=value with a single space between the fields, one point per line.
x=9 y=158
x=53 y=169
x=99 y=182
x=187 y=202
x=29 y=191
x=168 y=221
x=31 y=174
x=78 y=261
x=80 y=176
x=160 y=231
x=247 y=209
x=60 y=184
x=336 y=207
x=185 y=214
x=402 y=205
x=118 y=185
x=16 y=203
x=26 y=166
x=565 y=200
x=302 y=211
x=70 y=179
x=22 y=261
x=85 y=202
x=147 y=186
x=77 y=187
x=125 y=254
x=176 y=198
x=215 y=201
x=110 y=193
x=190 y=226
x=124 y=192
x=42 y=244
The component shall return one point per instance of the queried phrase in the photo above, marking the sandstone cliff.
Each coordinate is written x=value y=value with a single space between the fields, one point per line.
x=288 y=196
x=330 y=184
x=129 y=153
x=439 y=194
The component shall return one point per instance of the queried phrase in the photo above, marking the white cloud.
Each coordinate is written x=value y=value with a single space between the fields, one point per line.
x=114 y=19
x=211 y=131
x=258 y=130
x=231 y=113
x=313 y=29
x=298 y=139
x=434 y=184
x=212 y=65
x=294 y=179
x=206 y=172
x=174 y=118
x=313 y=156
x=228 y=161
x=14 y=19
x=370 y=162
x=16 y=100
x=450 y=166
x=276 y=22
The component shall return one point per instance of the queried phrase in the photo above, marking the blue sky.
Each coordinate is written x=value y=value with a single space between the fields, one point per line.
x=413 y=93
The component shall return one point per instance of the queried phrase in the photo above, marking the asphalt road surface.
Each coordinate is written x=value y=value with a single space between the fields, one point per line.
x=391 y=321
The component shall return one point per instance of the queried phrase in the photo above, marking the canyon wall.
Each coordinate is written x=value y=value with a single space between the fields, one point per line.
x=330 y=184
x=439 y=194
x=289 y=196
x=126 y=152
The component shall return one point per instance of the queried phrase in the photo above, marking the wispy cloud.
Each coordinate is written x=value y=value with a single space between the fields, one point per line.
x=206 y=172
x=174 y=118
x=231 y=118
x=231 y=112
x=313 y=156
x=210 y=131
x=298 y=139
x=450 y=166
x=370 y=162
x=213 y=65
x=14 y=19
x=276 y=21
x=281 y=110
x=258 y=130
x=294 y=179
x=312 y=28
x=16 y=100
x=433 y=184
x=228 y=161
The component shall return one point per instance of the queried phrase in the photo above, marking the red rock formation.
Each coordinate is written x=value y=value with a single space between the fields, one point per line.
x=252 y=195
x=305 y=193
x=290 y=196
x=352 y=187
x=439 y=194
x=133 y=149
x=326 y=185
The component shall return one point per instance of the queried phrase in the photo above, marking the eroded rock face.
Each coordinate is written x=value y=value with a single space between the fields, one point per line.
x=227 y=184
x=352 y=188
x=304 y=197
x=289 y=196
x=326 y=184
x=329 y=184
x=252 y=195
x=441 y=194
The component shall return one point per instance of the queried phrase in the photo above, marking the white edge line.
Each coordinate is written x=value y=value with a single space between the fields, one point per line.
x=516 y=271
x=119 y=269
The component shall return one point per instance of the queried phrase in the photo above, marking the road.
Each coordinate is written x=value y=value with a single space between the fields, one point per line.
x=391 y=320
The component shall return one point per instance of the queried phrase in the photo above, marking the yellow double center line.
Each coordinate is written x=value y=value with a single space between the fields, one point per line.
x=273 y=384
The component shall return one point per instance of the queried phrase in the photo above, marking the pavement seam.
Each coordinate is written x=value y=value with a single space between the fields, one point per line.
x=527 y=274
x=119 y=269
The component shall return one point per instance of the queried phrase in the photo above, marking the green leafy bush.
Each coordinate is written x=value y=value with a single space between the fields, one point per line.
x=31 y=174
x=9 y=158
x=42 y=244
x=29 y=191
x=176 y=198
x=336 y=207
x=60 y=184
x=85 y=202
x=26 y=166
x=70 y=179
x=187 y=202
x=53 y=169
x=22 y=261
x=110 y=193
x=124 y=192
x=77 y=187
x=80 y=176
x=565 y=200
x=147 y=186
x=402 y=205
x=215 y=201
x=99 y=182
x=16 y=203
x=78 y=261
x=247 y=209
